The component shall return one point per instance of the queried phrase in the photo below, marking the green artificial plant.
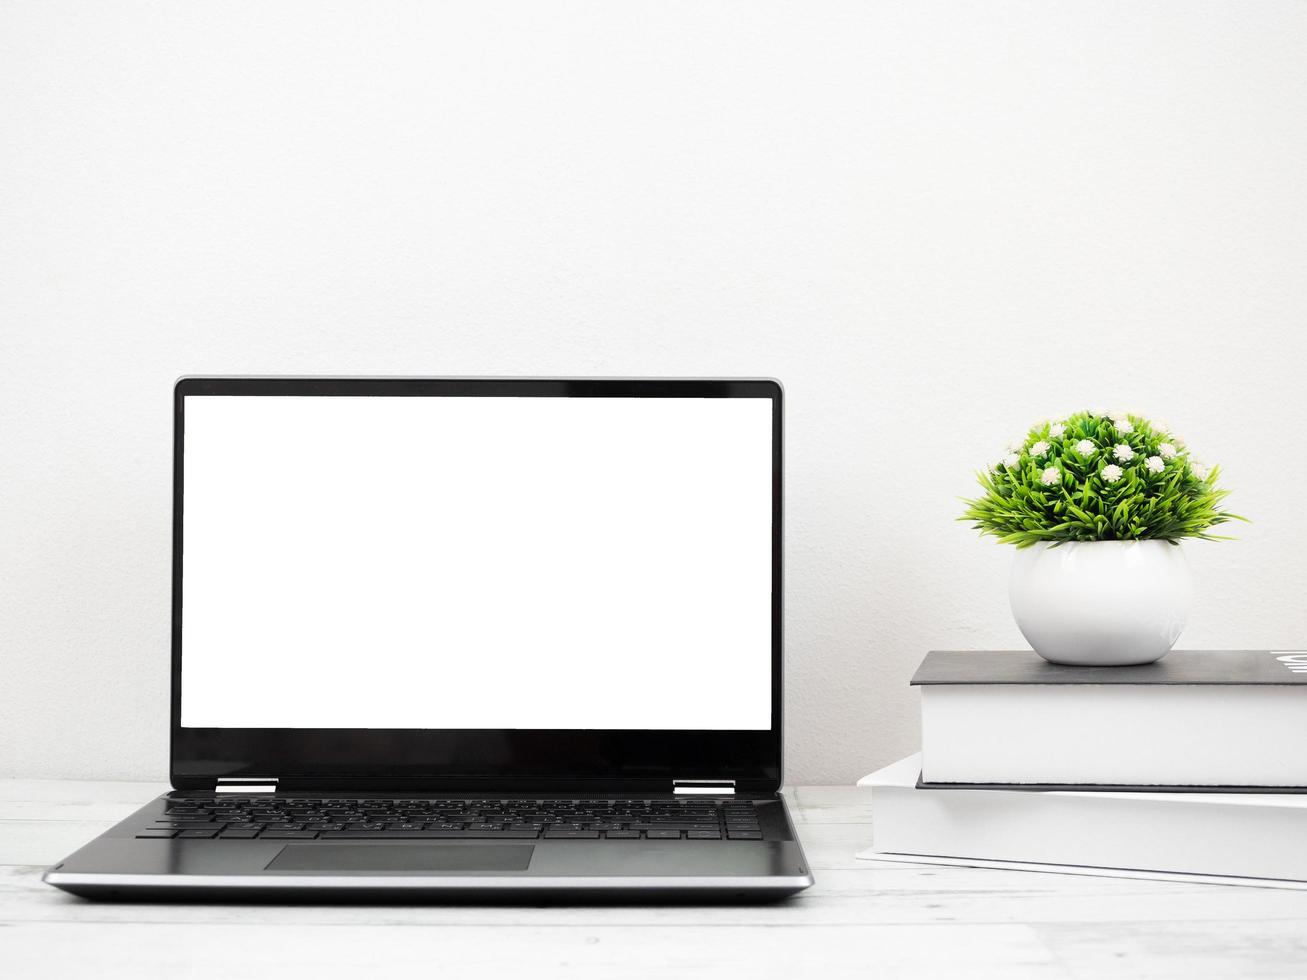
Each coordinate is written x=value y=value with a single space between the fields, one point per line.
x=1098 y=477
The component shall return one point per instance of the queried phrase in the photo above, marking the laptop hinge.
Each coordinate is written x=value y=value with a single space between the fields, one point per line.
x=245 y=786
x=704 y=787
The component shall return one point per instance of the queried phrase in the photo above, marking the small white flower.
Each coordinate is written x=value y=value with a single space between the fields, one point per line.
x=1200 y=470
x=1124 y=426
x=1119 y=416
x=1097 y=412
x=1084 y=447
x=1123 y=452
x=1050 y=476
x=1016 y=445
x=1166 y=451
x=1111 y=472
x=1039 y=449
x=1011 y=460
x=1154 y=464
x=1057 y=430
x=1160 y=425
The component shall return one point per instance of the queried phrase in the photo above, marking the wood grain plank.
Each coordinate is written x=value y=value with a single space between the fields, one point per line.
x=79 y=791
x=574 y=952
x=1272 y=950
x=39 y=842
x=903 y=898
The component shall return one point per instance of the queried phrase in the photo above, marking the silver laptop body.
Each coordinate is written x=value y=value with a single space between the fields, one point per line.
x=469 y=638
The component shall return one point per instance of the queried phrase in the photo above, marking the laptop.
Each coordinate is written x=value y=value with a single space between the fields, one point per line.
x=466 y=638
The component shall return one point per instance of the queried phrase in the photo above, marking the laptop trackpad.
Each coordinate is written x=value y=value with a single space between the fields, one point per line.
x=414 y=859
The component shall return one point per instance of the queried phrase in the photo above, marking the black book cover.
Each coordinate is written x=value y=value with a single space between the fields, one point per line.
x=1111 y=788
x=1256 y=667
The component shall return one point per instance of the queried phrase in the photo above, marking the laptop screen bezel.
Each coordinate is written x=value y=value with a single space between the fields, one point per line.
x=491 y=760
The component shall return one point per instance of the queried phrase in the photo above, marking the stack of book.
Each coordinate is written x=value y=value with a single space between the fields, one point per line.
x=1194 y=766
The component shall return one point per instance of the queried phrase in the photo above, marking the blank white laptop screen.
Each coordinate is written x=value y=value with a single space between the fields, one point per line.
x=477 y=562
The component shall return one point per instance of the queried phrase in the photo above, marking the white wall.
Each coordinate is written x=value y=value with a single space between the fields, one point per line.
x=936 y=222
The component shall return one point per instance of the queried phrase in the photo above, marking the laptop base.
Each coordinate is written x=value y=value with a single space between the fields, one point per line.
x=120 y=865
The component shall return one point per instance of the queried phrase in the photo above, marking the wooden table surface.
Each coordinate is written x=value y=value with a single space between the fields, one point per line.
x=861 y=918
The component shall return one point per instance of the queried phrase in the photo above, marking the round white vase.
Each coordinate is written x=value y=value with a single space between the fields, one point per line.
x=1101 y=603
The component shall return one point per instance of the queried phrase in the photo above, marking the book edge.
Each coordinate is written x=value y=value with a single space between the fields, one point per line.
x=906 y=775
x=871 y=854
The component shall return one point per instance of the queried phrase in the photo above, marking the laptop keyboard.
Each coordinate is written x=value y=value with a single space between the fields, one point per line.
x=295 y=818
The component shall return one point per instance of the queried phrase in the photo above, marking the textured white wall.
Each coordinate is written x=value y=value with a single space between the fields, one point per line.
x=936 y=222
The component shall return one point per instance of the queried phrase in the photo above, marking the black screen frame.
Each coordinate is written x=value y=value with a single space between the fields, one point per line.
x=498 y=760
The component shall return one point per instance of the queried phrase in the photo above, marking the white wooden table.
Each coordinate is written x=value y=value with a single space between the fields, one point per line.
x=861 y=918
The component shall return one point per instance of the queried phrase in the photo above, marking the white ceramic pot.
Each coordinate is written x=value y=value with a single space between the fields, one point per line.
x=1101 y=603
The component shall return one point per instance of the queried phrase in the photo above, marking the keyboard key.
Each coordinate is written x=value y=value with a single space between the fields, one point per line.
x=156 y=834
x=552 y=834
x=198 y=834
x=703 y=835
x=663 y=834
x=288 y=835
x=744 y=834
x=623 y=835
x=230 y=834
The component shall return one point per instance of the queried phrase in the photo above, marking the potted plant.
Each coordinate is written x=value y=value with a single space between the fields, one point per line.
x=1097 y=505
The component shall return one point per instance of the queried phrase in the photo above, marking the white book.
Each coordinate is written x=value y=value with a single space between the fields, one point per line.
x=1233 y=719
x=1248 y=838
